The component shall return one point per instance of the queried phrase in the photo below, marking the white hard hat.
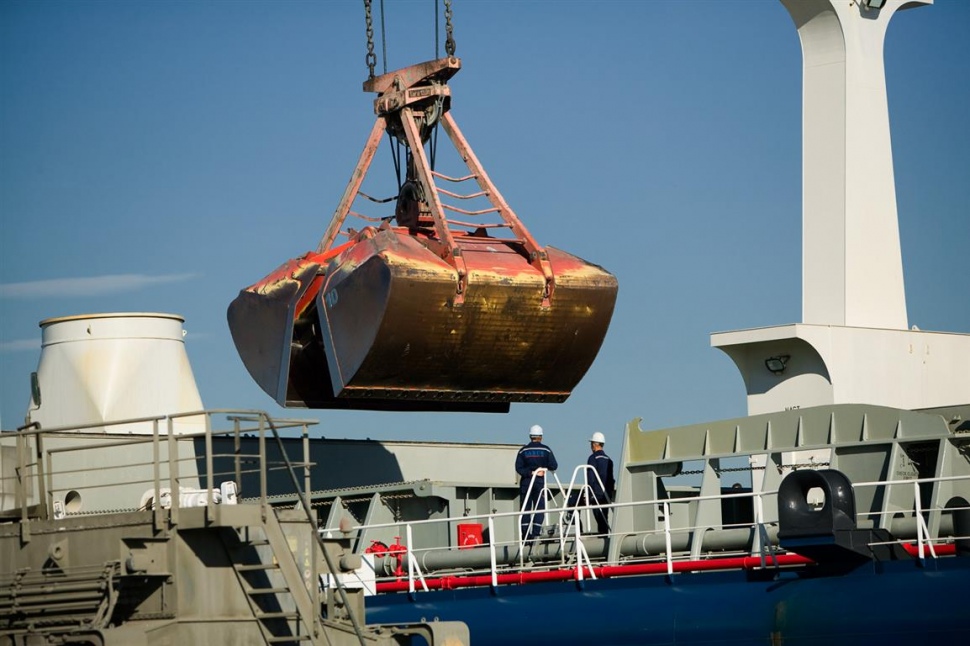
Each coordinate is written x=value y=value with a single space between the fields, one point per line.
x=536 y=430
x=598 y=437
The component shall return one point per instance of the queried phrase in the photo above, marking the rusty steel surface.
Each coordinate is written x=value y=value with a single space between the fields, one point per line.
x=275 y=329
x=392 y=329
x=263 y=321
x=219 y=570
x=440 y=70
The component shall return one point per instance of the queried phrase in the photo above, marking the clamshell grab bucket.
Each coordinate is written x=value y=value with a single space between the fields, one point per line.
x=377 y=327
x=433 y=313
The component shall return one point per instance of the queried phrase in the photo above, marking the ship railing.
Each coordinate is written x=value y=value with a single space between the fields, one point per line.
x=515 y=554
x=666 y=549
x=920 y=529
x=529 y=514
x=581 y=506
x=581 y=489
x=93 y=468
x=568 y=515
x=933 y=526
x=421 y=566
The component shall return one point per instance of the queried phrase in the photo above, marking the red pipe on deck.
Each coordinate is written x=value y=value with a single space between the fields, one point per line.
x=947 y=549
x=602 y=572
x=608 y=571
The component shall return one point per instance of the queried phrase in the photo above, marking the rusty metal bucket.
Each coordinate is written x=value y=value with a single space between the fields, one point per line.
x=432 y=314
x=374 y=325
x=392 y=330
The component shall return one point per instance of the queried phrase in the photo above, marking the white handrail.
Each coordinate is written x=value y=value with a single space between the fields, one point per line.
x=585 y=502
x=413 y=562
x=668 y=551
x=763 y=546
x=922 y=531
x=764 y=542
x=581 y=553
x=544 y=496
x=491 y=550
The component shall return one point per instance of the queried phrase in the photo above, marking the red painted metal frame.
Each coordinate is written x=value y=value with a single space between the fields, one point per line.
x=537 y=254
x=398 y=92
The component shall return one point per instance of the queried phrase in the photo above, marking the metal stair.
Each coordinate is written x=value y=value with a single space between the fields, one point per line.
x=273 y=584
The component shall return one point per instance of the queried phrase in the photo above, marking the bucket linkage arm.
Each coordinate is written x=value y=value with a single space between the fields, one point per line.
x=538 y=257
x=353 y=187
x=410 y=102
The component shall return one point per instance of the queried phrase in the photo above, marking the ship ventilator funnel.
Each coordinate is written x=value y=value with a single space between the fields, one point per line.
x=99 y=368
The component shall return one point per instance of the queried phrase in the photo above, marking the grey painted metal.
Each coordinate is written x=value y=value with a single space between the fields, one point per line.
x=867 y=443
x=244 y=573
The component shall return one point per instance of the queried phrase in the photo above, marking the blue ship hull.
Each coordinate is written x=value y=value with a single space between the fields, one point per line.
x=879 y=603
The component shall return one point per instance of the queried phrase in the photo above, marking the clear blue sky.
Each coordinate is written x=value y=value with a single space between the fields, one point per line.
x=197 y=145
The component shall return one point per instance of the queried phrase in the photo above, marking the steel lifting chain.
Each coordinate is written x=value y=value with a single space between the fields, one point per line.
x=371 y=56
x=449 y=40
x=794 y=467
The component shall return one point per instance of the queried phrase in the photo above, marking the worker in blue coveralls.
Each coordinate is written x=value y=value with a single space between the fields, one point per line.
x=602 y=488
x=532 y=462
x=599 y=489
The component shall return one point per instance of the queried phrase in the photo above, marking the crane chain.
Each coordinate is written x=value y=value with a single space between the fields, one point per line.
x=371 y=57
x=449 y=40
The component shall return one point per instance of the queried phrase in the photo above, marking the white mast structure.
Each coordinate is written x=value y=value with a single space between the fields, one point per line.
x=854 y=346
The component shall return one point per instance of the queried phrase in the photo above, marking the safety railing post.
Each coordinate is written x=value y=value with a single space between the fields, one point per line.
x=523 y=512
x=263 y=504
x=764 y=542
x=173 y=473
x=491 y=551
x=156 y=476
x=581 y=554
x=669 y=556
x=23 y=477
x=237 y=452
x=209 y=475
x=919 y=524
x=44 y=484
x=407 y=538
x=922 y=531
x=306 y=460
x=413 y=568
x=49 y=462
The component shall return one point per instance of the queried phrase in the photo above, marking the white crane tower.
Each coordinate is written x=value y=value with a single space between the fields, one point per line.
x=855 y=345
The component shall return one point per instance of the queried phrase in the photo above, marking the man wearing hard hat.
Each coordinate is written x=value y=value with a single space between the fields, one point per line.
x=602 y=486
x=532 y=462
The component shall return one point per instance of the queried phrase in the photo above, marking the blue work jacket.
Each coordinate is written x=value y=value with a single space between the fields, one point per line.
x=532 y=456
